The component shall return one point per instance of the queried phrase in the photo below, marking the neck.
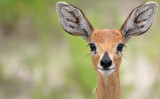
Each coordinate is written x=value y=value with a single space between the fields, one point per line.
x=108 y=87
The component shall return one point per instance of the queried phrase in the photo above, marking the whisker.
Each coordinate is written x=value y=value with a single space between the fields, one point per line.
x=86 y=55
x=87 y=45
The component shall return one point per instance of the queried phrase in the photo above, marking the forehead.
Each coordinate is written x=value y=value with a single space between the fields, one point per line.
x=107 y=36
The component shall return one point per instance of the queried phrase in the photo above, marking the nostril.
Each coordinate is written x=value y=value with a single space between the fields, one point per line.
x=106 y=63
x=102 y=63
x=109 y=62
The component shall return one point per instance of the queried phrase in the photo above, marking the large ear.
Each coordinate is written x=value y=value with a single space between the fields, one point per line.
x=139 y=21
x=73 y=20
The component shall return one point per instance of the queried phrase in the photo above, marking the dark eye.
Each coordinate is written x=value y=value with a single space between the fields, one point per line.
x=120 y=47
x=92 y=47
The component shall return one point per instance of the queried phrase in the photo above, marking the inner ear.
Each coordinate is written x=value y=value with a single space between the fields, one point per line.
x=73 y=20
x=139 y=21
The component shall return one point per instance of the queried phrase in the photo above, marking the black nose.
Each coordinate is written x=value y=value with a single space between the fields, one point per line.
x=106 y=63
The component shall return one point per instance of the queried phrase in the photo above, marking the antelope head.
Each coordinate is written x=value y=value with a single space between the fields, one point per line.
x=106 y=44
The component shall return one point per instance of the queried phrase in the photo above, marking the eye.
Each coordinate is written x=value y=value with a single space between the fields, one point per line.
x=92 y=47
x=120 y=47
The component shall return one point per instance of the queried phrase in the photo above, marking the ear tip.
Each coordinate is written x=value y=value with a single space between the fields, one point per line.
x=152 y=3
x=61 y=4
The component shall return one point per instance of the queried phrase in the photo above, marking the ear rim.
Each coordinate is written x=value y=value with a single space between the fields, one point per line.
x=86 y=35
x=126 y=37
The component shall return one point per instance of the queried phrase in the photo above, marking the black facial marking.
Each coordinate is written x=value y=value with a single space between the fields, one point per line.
x=106 y=62
x=106 y=56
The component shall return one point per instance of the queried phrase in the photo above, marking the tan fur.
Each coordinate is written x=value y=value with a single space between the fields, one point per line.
x=108 y=87
x=106 y=41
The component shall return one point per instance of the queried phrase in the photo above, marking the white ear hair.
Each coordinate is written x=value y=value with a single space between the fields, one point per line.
x=140 y=20
x=73 y=20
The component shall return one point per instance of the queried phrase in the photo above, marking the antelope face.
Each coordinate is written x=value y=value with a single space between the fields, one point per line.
x=106 y=50
x=106 y=45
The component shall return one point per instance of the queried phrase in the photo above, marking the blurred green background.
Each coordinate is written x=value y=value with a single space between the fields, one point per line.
x=39 y=60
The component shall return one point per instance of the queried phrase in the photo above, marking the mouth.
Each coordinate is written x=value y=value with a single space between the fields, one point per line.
x=106 y=68
x=104 y=71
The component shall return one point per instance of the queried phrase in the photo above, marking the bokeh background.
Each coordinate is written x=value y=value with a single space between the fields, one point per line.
x=39 y=60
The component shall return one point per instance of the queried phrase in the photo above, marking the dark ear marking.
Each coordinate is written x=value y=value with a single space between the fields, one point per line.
x=136 y=21
x=73 y=15
x=139 y=20
x=85 y=33
x=73 y=20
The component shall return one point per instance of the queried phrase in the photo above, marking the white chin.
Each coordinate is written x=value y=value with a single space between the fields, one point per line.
x=108 y=72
